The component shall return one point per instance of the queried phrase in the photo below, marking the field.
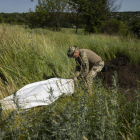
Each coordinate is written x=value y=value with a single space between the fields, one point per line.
x=28 y=56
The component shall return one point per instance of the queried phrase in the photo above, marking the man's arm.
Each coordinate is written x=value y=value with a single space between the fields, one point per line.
x=85 y=64
x=78 y=69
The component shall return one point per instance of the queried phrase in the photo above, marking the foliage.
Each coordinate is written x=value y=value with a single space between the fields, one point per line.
x=114 y=27
x=93 y=12
x=26 y=54
x=106 y=112
x=103 y=115
x=14 y=18
x=77 y=14
x=135 y=26
x=22 y=66
x=50 y=13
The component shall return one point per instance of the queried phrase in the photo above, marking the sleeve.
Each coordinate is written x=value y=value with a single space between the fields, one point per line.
x=78 y=69
x=85 y=64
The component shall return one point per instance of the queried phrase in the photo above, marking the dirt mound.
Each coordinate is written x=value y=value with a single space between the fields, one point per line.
x=128 y=75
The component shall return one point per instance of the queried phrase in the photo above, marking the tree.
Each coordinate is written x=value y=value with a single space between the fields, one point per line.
x=94 y=12
x=50 y=13
x=114 y=27
x=135 y=26
x=42 y=13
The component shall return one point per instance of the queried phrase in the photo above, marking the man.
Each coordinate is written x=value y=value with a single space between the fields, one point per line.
x=87 y=62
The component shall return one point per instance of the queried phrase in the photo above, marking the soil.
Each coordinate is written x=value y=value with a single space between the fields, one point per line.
x=128 y=76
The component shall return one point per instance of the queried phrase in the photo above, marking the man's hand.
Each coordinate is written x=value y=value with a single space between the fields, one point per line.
x=75 y=78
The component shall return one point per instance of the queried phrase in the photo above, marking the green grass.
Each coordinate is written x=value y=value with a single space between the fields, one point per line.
x=27 y=55
x=73 y=30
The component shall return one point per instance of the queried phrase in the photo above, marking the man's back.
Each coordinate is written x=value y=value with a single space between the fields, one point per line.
x=93 y=58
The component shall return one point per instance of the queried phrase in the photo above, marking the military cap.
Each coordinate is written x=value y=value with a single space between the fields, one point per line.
x=71 y=51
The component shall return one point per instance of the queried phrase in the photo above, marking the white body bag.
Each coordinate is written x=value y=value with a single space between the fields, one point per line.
x=38 y=93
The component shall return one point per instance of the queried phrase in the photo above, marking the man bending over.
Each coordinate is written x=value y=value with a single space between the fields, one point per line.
x=87 y=62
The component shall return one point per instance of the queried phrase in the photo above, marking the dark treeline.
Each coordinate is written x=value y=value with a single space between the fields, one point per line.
x=66 y=20
x=123 y=23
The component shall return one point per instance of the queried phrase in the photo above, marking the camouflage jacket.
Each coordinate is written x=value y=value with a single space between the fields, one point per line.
x=86 y=60
x=82 y=65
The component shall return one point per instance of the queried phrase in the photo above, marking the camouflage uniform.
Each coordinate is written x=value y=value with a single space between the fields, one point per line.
x=88 y=63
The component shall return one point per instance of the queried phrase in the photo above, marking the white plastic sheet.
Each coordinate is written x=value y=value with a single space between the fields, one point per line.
x=38 y=93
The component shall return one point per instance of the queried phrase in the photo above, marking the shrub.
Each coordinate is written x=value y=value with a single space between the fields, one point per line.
x=114 y=27
x=135 y=27
x=105 y=115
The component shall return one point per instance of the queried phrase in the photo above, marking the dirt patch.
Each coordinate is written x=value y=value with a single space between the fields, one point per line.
x=128 y=75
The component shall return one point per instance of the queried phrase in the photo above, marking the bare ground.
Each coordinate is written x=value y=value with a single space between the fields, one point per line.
x=128 y=76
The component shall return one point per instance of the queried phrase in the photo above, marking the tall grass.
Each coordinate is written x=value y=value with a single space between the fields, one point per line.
x=32 y=55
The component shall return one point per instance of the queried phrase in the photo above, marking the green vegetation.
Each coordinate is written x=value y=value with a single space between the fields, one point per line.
x=27 y=55
x=92 y=16
x=94 y=13
x=118 y=23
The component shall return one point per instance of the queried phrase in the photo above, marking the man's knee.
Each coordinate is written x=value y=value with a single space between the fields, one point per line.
x=98 y=67
x=94 y=73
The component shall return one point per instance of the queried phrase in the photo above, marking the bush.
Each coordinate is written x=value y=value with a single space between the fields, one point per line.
x=104 y=115
x=114 y=27
x=135 y=27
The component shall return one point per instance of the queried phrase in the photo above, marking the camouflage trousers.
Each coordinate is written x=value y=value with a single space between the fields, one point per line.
x=92 y=73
